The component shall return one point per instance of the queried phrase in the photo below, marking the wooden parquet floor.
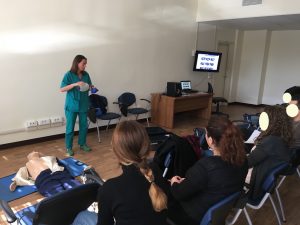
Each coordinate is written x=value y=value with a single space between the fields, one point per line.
x=105 y=163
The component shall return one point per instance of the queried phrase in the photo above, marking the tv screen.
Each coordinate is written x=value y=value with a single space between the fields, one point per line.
x=207 y=61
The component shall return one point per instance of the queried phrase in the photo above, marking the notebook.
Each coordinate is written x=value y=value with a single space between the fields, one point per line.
x=186 y=87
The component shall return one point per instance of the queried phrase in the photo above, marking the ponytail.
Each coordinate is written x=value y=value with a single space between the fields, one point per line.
x=130 y=143
x=157 y=196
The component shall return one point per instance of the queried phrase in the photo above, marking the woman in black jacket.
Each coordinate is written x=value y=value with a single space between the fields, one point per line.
x=136 y=196
x=212 y=178
x=271 y=148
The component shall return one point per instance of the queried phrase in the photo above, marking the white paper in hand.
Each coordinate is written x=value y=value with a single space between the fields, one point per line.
x=253 y=137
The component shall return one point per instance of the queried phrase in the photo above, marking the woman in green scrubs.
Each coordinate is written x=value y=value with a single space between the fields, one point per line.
x=77 y=84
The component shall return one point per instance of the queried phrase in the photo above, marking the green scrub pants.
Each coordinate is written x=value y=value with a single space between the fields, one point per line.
x=70 y=123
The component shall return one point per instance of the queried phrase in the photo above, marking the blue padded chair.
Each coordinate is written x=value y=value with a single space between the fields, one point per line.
x=268 y=187
x=126 y=100
x=290 y=170
x=99 y=107
x=216 y=215
x=61 y=208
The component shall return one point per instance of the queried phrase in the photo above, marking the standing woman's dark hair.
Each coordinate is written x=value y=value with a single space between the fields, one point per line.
x=130 y=143
x=280 y=124
x=76 y=61
x=228 y=139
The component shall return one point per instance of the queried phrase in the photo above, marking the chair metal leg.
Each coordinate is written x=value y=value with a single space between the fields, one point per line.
x=275 y=210
x=235 y=217
x=147 y=121
x=280 y=205
x=280 y=182
x=107 y=125
x=247 y=216
x=99 y=139
x=298 y=172
x=218 y=107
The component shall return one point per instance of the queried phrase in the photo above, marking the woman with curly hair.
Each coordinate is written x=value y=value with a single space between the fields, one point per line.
x=271 y=148
x=212 y=178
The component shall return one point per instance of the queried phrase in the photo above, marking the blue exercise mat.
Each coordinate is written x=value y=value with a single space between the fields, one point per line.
x=74 y=166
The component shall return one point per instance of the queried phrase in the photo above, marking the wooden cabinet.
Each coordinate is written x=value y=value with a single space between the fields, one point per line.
x=164 y=107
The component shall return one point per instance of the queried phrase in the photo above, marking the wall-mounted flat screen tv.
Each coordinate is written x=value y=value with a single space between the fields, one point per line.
x=207 y=61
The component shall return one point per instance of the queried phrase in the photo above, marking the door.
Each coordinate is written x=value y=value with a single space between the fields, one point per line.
x=220 y=77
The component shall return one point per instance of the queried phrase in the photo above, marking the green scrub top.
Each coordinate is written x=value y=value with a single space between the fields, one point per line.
x=76 y=101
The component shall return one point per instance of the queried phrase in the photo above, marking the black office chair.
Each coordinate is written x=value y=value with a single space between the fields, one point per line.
x=98 y=111
x=126 y=100
x=217 y=101
x=61 y=208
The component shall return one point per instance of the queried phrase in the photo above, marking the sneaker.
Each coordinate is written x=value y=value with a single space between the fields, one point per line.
x=70 y=152
x=85 y=148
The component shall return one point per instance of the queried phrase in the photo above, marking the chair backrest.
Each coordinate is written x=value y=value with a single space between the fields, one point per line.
x=63 y=207
x=253 y=119
x=269 y=183
x=216 y=215
x=210 y=89
x=127 y=99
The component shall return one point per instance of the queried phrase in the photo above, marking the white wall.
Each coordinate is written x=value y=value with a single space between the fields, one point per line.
x=269 y=65
x=283 y=65
x=131 y=46
x=233 y=9
x=250 y=73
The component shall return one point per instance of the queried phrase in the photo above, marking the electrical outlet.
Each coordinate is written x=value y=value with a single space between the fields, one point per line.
x=31 y=124
x=57 y=120
x=43 y=122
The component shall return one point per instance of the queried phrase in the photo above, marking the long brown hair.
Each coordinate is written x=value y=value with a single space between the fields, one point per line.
x=76 y=61
x=228 y=139
x=130 y=143
x=280 y=124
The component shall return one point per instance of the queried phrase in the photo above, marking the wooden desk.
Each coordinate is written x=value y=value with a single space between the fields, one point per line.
x=164 y=107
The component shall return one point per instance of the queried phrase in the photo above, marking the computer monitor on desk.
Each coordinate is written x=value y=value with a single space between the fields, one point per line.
x=186 y=86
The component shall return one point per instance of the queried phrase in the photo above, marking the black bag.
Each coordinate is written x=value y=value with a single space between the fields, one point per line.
x=98 y=102
x=92 y=115
x=183 y=156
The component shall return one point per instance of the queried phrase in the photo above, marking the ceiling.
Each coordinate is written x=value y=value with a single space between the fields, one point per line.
x=282 y=22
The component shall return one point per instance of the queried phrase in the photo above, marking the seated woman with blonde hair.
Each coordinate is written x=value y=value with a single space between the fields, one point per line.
x=136 y=196
x=45 y=173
